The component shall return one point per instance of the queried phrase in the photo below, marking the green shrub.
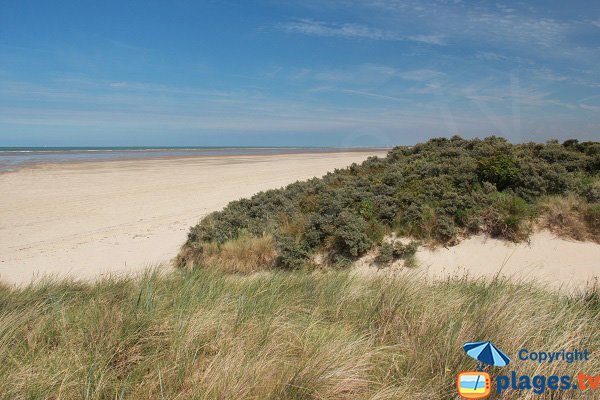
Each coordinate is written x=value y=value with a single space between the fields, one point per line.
x=508 y=216
x=404 y=251
x=390 y=252
x=590 y=189
x=500 y=170
x=352 y=235
x=437 y=192
x=386 y=254
x=292 y=253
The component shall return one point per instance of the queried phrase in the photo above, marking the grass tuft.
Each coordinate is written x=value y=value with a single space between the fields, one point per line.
x=244 y=254
x=276 y=335
x=570 y=216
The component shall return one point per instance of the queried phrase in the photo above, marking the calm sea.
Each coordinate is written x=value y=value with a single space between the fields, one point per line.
x=14 y=158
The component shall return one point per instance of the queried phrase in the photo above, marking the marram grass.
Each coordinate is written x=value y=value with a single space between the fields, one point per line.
x=275 y=335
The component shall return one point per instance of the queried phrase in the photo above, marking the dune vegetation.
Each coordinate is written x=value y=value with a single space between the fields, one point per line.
x=207 y=334
x=438 y=192
x=252 y=318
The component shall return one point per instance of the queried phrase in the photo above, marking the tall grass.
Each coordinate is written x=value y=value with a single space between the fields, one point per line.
x=244 y=254
x=571 y=217
x=204 y=334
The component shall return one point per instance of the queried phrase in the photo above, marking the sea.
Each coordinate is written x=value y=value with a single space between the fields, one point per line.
x=15 y=158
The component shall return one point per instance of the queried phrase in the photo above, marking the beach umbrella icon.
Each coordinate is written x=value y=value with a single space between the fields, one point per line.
x=486 y=353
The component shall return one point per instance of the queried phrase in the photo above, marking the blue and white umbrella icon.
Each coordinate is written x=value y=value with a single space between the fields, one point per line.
x=486 y=353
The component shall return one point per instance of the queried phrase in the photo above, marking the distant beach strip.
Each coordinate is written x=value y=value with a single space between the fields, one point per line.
x=16 y=158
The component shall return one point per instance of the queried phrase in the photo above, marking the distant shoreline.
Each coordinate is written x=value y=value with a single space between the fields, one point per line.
x=19 y=158
x=30 y=149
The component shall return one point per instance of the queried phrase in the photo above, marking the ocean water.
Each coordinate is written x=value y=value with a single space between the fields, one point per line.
x=15 y=158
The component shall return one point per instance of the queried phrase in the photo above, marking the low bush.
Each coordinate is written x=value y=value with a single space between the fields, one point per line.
x=390 y=252
x=437 y=192
x=500 y=169
x=507 y=216
x=386 y=254
x=351 y=235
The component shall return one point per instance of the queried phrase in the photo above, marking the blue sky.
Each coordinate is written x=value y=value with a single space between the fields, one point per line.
x=309 y=72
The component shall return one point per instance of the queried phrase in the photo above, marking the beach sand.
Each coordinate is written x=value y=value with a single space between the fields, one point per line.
x=87 y=219
x=545 y=259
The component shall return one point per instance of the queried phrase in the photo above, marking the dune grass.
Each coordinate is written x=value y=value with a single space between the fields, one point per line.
x=205 y=334
x=244 y=254
x=571 y=217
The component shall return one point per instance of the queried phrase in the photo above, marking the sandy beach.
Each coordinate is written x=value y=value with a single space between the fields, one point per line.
x=87 y=219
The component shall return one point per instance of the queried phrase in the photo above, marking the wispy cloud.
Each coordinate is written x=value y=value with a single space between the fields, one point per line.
x=524 y=30
x=591 y=103
x=429 y=39
x=375 y=95
x=589 y=107
x=421 y=75
x=347 y=30
x=520 y=26
x=368 y=74
x=514 y=94
x=352 y=31
x=547 y=74
x=490 y=56
x=365 y=74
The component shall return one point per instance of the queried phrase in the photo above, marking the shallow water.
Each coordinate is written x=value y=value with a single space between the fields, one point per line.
x=18 y=157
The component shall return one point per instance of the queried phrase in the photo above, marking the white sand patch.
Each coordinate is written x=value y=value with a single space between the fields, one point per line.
x=545 y=259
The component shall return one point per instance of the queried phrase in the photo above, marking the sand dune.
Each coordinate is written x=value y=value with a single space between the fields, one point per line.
x=545 y=259
x=88 y=219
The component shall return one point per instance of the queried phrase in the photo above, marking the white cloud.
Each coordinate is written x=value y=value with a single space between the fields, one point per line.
x=429 y=39
x=542 y=32
x=366 y=74
x=347 y=30
x=539 y=30
x=352 y=31
x=547 y=74
x=421 y=75
x=513 y=94
x=589 y=107
x=118 y=84
x=375 y=95
x=490 y=56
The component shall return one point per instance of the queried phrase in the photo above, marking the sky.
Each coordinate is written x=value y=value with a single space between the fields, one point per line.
x=296 y=73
